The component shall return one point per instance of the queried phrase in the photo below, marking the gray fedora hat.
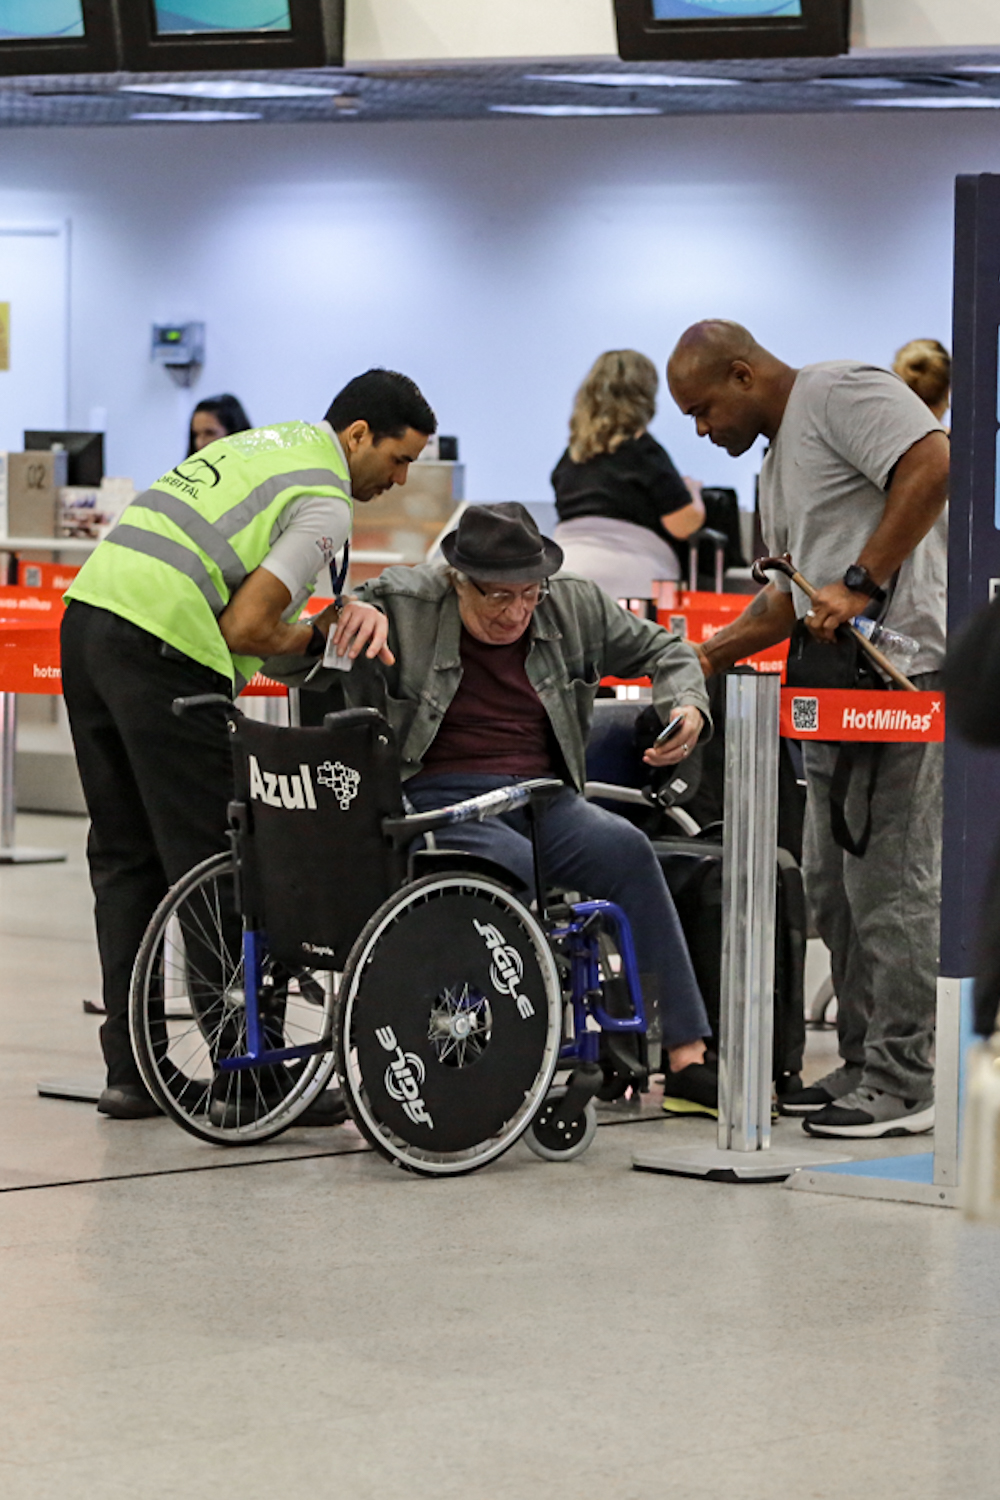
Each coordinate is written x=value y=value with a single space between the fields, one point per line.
x=501 y=544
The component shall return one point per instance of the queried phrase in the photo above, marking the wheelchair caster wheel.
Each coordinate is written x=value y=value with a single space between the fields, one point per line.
x=557 y=1140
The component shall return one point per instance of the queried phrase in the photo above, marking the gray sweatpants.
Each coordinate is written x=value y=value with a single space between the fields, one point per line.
x=880 y=915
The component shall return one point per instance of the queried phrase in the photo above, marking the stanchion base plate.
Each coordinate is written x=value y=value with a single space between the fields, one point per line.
x=713 y=1165
x=17 y=854
x=82 y=1090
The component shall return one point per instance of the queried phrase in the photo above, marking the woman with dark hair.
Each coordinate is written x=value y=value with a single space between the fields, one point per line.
x=215 y=417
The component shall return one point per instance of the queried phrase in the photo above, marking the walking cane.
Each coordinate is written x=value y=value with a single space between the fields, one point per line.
x=764 y=565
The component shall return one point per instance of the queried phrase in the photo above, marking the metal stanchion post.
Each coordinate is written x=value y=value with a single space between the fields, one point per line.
x=748 y=897
x=10 y=854
x=749 y=881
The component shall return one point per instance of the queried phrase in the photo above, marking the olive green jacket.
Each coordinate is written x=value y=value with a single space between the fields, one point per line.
x=578 y=636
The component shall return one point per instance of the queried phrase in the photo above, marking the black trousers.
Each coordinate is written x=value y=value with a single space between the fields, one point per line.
x=156 y=785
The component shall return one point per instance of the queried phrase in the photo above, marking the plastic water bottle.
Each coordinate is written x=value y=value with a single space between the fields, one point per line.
x=900 y=649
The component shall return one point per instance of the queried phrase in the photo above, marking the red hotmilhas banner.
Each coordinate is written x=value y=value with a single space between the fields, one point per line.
x=826 y=714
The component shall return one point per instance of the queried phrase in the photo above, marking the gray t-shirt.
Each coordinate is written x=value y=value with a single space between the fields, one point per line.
x=823 y=485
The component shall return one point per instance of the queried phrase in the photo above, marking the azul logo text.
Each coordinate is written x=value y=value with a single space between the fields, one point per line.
x=281 y=791
x=296 y=791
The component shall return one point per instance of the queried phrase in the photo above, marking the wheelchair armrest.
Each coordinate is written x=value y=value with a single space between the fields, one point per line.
x=473 y=810
x=609 y=791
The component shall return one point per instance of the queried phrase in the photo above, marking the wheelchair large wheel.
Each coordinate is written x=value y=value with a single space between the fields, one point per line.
x=188 y=1012
x=449 y=1024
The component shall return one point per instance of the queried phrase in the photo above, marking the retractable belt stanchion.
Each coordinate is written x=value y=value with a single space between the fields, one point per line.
x=749 y=879
x=11 y=853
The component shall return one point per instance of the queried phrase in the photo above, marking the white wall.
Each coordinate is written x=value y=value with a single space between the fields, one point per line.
x=492 y=261
x=382 y=30
x=400 y=30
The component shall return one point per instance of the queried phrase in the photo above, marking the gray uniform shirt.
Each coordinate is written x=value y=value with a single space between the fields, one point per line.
x=823 y=484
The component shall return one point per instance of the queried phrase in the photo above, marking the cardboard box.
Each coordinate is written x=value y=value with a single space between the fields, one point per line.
x=29 y=492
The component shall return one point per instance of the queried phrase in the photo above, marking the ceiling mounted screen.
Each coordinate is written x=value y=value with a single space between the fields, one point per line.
x=722 y=10
x=710 y=30
x=200 y=35
x=37 y=20
x=196 y=17
x=57 y=36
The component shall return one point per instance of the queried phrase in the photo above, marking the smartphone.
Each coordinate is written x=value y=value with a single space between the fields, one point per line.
x=668 y=731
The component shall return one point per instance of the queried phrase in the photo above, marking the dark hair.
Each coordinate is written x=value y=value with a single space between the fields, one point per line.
x=229 y=412
x=387 y=401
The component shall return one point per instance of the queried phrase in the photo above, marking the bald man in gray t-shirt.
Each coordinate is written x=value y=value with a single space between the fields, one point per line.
x=823 y=490
x=854 y=486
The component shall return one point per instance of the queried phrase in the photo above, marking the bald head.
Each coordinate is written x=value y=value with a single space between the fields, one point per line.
x=733 y=388
x=712 y=345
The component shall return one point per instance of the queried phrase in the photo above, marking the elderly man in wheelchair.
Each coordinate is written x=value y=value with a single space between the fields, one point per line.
x=438 y=975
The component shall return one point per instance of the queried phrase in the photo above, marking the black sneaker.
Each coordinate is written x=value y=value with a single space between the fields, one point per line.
x=870 y=1114
x=824 y=1091
x=329 y=1109
x=128 y=1101
x=693 y=1090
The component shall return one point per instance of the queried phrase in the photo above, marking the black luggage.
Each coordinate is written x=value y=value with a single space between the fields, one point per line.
x=693 y=871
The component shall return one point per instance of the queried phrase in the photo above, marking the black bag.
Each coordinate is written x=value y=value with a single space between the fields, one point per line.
x=707 y=769
x=840 y=664
x=693 y=871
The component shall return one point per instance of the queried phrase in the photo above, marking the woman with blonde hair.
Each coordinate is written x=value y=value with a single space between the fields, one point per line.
x=618 y=496
x=925 y=366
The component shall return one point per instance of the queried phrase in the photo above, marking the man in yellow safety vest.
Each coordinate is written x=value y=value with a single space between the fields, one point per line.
x=204 y=576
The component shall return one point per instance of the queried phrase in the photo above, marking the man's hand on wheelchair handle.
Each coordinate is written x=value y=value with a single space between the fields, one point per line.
x=360 y=627
x=679 y=745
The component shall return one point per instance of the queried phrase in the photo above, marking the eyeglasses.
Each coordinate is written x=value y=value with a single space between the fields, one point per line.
x=501 y=599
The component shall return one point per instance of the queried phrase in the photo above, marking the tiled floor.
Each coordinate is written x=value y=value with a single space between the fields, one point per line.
x=311 y=1325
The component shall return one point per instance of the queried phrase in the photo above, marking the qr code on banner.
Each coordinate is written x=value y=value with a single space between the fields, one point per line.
x=805 y=715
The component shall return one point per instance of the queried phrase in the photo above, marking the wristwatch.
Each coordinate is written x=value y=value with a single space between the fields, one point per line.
x=860 y=581
x=317 y=642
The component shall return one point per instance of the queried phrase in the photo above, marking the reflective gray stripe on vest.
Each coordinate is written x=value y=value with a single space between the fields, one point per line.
x=203 y=533
x=174 y=554
x=265 y=494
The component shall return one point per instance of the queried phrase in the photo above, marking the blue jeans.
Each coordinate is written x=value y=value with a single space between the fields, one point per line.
x=585 y=848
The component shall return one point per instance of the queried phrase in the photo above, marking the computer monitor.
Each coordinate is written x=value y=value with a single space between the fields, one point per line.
x=84 y=450
x=59 y=36
x=195 y=35
x=713 y=30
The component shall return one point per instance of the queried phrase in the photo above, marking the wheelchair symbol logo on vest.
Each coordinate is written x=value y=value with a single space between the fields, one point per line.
x=404 y=1078
x=276 y=790
x=507 y=968
x=342 y=780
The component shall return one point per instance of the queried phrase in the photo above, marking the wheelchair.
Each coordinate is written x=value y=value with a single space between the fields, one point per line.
x=323 y=943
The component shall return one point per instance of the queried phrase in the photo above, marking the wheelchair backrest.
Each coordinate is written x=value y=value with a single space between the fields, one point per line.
x=314 y=862
x=611 y=749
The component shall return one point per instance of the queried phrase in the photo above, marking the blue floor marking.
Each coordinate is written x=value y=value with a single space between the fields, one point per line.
x=898 y=1168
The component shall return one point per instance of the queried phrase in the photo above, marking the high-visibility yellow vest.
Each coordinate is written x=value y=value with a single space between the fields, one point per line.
x=183 y=547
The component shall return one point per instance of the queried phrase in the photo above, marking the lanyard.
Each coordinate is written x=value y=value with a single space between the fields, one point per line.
x=341 y=576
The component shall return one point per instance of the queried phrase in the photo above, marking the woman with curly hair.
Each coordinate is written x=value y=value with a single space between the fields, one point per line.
x=925 y=366
x=618 y=496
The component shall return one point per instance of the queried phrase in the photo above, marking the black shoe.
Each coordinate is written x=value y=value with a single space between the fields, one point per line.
x=329 y=1109
x=693 y=1090
x=128 y=1101
x=230 y=1112
x=820 y=1095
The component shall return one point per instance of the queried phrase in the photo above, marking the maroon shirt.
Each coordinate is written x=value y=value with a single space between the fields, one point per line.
x=495 y=724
